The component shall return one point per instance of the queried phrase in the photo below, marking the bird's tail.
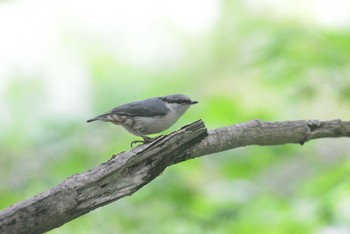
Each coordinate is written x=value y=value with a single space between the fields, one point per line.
x=91 y=120
x=103 y=117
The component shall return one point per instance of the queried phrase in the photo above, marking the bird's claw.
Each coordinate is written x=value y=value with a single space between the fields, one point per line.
x=135 y=142
x=145 y=140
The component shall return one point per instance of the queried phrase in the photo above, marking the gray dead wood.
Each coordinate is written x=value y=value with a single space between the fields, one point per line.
x=127 y=172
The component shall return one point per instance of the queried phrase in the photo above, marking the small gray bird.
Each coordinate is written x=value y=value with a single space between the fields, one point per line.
x=149 y=116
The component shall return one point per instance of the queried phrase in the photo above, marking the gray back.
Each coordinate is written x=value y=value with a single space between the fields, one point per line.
x=146 y=108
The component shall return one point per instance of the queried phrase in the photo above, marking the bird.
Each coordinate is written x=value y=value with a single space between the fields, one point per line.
x=149 y=116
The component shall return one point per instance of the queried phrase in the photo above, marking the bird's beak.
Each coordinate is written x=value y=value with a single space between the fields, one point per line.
x=193 y=102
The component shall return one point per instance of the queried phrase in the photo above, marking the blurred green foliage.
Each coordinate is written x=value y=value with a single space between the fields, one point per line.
x=248 y=67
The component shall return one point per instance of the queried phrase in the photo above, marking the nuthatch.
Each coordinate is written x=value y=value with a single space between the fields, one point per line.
x=149 y=116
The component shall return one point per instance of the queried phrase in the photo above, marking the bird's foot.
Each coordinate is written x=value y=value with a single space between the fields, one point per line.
x=148 y=139
x=145 y=140
x=136 y=142
x=158 y=137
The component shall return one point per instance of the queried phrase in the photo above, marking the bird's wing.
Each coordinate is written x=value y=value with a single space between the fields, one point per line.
x=147 y=108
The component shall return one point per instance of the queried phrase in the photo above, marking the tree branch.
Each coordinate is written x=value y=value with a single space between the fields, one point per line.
x=127 y=172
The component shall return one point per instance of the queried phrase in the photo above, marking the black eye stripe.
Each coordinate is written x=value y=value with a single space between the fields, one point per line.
x=178 y=101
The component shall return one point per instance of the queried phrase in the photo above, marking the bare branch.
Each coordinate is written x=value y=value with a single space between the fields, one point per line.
x=127 y=172
x=266 y=133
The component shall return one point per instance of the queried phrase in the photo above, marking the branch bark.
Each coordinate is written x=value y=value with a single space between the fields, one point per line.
x=127 y=172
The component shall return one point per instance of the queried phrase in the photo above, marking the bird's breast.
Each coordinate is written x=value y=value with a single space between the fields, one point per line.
x=151 y=125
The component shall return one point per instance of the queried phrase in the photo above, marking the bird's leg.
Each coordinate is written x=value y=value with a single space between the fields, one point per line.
x=147 y=139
